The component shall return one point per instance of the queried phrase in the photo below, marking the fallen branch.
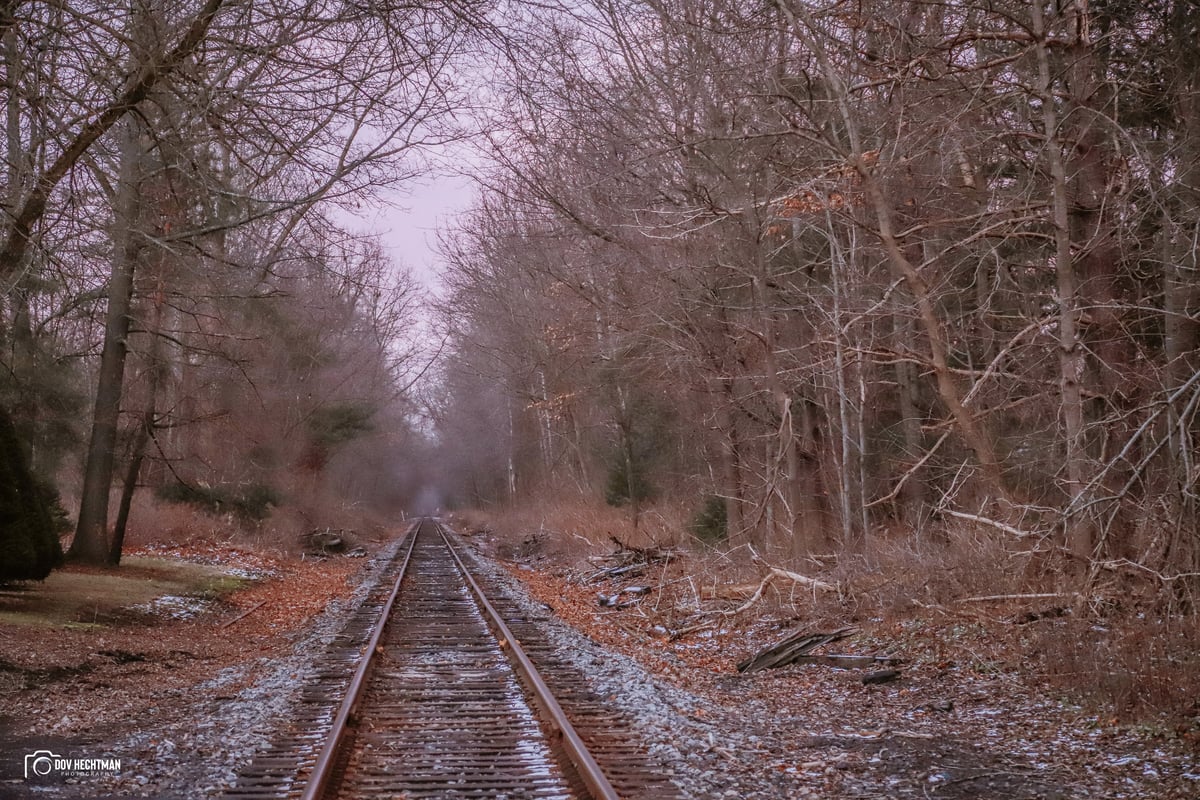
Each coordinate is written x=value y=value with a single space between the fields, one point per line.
x=998 y=525
x=628 y=571
x=729 y=591
x=795 y=577
x=676 y=635
x=773 y=573
x=803 y=580
x=999 y=597
x=1135 y=567
x=244 y=614
x=626 y=561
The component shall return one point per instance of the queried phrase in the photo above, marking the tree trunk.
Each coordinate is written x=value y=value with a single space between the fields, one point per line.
x=1181 y=304
x=632 y=471
x=783 y=468
x=1083 y=255
x=157 y=370
x=731 y=460
x=137 y=454
x=91 y=534
x=913 y=494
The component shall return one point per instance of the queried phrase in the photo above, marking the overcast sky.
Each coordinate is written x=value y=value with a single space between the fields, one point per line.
x=408 y=228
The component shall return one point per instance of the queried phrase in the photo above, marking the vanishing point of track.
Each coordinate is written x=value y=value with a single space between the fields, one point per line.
x=429 y=693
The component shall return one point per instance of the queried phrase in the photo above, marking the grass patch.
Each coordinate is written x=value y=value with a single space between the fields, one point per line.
x=220 y=585
x=87 y=597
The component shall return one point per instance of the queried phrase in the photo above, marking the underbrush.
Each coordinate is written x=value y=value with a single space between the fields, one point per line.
x=963 y=590
x=153 y=521
x=1128 y=667
x=568 y=531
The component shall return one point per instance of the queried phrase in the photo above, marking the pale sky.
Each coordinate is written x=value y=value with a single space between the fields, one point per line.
x=408 y=228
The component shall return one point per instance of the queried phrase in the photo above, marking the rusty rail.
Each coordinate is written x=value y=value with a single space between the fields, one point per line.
x=430 y=693
x=585 y=766
x=323 y=770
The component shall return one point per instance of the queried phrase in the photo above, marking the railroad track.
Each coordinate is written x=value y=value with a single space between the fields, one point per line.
x=438 y=690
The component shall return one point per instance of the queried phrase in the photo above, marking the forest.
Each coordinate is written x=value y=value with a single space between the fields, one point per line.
x=187 y=312
x=820 y=274
x=803 y=274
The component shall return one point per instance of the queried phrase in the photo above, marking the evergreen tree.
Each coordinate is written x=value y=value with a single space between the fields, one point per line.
x=29 y=546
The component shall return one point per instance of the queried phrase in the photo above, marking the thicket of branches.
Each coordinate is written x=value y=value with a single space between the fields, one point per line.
x=179 y=305
x=850 y=267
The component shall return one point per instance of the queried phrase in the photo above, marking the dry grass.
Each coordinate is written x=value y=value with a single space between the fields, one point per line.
x=573 y=529
x=78 y=596
x=1118 y=657
x=1128 y=666
x=892 y=572
x=154 y=522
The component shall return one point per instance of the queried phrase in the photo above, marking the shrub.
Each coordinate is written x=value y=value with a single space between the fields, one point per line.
x=29 y=546
x=710 y=524
x=251 y=502
x=332 y=425
x=625 y=485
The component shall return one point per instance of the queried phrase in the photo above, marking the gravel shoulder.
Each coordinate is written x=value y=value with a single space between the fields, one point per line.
x=184 y=698
x=956 y=724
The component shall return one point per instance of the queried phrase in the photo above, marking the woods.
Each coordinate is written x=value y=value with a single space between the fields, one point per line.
x=185 y=304
x=817 y=380
x=853 y=269
x=813 y=273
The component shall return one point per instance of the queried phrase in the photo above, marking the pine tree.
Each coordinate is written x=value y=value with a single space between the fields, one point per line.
x=29 y=546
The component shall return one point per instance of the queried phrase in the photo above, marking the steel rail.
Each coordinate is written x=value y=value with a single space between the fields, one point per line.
x=323 y=768
x=588 y=770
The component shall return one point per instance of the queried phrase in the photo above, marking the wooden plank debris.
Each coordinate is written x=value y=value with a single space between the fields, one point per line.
x=626 y=561
x=842 y=661
x=880 y=676
x=789 y=649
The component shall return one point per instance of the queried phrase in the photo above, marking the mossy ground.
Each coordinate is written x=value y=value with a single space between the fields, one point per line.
x=77 y=596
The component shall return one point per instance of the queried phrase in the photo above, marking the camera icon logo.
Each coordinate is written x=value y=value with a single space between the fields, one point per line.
x=39 y=763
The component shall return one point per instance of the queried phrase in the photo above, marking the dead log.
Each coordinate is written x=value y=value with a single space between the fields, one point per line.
x=1053 y=612
x=634 y=595
x=789 y=649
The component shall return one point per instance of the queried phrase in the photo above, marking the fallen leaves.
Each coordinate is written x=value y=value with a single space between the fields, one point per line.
x=75 y=679
x=968 y=718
